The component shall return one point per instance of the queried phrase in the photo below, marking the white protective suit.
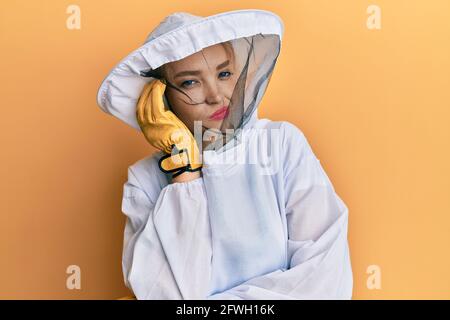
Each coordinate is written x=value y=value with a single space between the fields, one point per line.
x=241 y=231
x=263 y=221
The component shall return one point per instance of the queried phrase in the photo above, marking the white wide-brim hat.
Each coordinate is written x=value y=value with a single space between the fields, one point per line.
x=179 y=35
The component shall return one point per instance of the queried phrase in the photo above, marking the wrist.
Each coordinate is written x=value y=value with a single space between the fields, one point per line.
x=187 y=176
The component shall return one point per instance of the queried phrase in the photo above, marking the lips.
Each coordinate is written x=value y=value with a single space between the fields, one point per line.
x=220 y=114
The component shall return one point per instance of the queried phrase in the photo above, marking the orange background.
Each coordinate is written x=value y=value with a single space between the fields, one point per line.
x=374 y=105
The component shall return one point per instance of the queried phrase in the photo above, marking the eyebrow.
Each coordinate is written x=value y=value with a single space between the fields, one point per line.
x=197 y=72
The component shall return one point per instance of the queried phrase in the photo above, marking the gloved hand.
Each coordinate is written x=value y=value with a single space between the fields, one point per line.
x=166 y=132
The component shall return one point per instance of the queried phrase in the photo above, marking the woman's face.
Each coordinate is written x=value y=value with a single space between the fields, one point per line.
x=208 y=79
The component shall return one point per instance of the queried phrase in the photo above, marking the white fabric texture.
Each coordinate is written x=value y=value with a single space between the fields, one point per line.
x=242 y=230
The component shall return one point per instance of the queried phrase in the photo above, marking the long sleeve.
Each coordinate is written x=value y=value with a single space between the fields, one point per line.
x=318 y=253
x=166 y=252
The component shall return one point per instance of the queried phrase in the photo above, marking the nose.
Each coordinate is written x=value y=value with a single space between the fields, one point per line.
x=213 y=94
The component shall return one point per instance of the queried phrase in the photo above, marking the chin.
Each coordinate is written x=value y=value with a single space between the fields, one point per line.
x=213 y=124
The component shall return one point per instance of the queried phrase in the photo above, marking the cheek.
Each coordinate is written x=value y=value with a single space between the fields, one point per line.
x=189 y=113
x=228 y=87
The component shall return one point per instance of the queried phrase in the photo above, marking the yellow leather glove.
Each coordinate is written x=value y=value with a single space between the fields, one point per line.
x=166 y=132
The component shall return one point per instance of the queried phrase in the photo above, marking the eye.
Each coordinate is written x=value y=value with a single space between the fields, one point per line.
x=225 y=74
x=187 y=83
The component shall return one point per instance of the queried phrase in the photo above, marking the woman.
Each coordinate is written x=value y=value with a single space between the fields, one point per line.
x=231 y=206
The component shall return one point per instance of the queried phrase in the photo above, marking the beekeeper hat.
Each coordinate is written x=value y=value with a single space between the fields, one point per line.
x=179 y=35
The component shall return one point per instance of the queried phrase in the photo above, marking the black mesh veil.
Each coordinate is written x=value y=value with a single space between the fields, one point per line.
x=226 y=86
